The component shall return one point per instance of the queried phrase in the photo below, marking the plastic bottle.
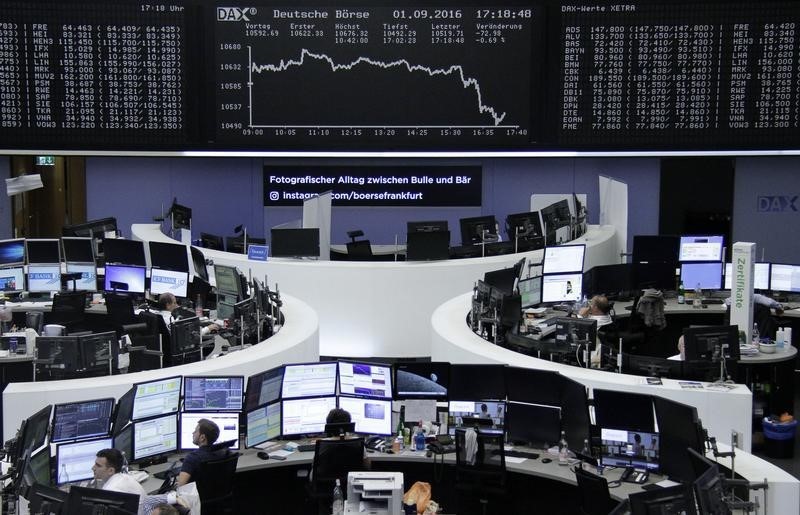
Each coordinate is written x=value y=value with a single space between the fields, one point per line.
x=698 y=296
x=64 y=477
x=401 y=421
x=779 y=338
x=681 y=294
x=756 y=336
x=586 y=450
x=563 y=449
x=787 y=337
x=419 y=439
x=338 y=499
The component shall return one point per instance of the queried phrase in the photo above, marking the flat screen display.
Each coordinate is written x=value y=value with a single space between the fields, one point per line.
x=533 y=425
x=12 y=279
x=707 y=275
x=88 y=280
x=761 y=273
x=84 y=419
x=169 y=256
x=124 y=252
x=155 y=398
x=263 y=424
x=45 y=251
x=485 y=414
x=44 y=278
x=309 y=380
x=74 y=461
x=221 y=393
x=264 y=388
x=305 y=416
x=700 y=248
x=423 y=380
x=365 y=379
x=371 y=416
x=562 y=259
x=12 y=252
x=155 y=436
x=124 y=278
x=785 y=278
x=167 y=281
x=562 y=287
x=621 y=448
x=227 y=280
x=294 y=242
x=228 y=424
x=530 y=291
x=78 y=250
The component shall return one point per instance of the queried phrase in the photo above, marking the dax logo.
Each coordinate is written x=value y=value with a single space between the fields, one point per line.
x=235 y=13
x=777 y=203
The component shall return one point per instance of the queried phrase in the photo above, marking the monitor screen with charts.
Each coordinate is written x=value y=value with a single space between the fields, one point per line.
x=371 y=416
x=155 y=436
x=263 y=424
x=530 y=291
x=213 y=393
x=264 y=388
x=564 y=258
x=365 y=379
x=228 y=424
x=44 y=278
x=157 y=397
x=12 y=279
x=785 y=278
x=88 y=280
x=700 y=248
x=309 y=380
x=562 y=287
x=168 y=281
x=74 y=461
x=622 y=448
x=760 y=276
x=708 y=276
x=305 y=416
x=82 y=419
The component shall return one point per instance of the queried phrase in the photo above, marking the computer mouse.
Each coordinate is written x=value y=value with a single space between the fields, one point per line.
x=546 y=460
x=263 y=455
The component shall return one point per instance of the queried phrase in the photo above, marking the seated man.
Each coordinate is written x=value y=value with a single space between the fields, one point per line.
x=167 y=303
x=205 y=434
x=108 y=475
x=599 y=309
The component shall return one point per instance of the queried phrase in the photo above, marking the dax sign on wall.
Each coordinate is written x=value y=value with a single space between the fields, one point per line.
x=374 y=185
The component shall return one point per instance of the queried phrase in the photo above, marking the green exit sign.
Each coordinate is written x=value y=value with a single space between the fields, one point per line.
x=45 y=160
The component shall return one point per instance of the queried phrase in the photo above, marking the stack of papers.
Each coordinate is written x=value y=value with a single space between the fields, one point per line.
x=748 y=349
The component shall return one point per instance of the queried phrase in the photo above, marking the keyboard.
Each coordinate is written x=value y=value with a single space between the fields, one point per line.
x=711 y=302
x=522 y=454
x=307 y=447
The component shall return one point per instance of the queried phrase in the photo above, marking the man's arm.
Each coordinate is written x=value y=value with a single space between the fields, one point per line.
x=183 y=478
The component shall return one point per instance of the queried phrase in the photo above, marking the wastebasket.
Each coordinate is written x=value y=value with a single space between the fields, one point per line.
x=779 y=438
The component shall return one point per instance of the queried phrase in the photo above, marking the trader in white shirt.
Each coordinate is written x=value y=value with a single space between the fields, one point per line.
x=167 y=303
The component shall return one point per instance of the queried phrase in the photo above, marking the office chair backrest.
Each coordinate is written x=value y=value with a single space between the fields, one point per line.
x=359 y=250
x=215 y=480
x=35 y=320
x=120 y=308
x=594 y=496
x=333 y=459
x=68 y=308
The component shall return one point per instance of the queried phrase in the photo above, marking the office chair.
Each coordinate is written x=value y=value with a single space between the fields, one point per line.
x=120 y=310
x=333 y=459
x=215 y=480
x=147 y=342
x=486 y=478
x=594 y=496
x=360 y=250
x=68 y=309
x=35 y=320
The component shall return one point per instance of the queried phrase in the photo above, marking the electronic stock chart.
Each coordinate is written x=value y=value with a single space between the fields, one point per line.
x=381 y=77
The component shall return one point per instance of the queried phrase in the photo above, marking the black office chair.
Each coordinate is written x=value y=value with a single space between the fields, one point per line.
x=215 y=480
x=35 y=320
x=120 y=311
x=594 y=496
x=68 y=310
x=360 y=250
x=333 y=459
x=148 y=349
x=486 y=477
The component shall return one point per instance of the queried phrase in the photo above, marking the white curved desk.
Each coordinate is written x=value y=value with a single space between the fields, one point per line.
x=296 y=342
x=720 y=412
x=369 y=309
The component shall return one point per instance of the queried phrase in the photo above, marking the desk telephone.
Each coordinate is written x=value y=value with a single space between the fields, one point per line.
x=442 y=445
x=630 y=475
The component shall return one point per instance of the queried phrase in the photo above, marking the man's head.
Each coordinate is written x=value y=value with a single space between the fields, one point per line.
x=107 y=462
x=599 y=305
x=338 y=416
x=205 y=433
x=484 y=408
x=167 y=302
x=164 y=509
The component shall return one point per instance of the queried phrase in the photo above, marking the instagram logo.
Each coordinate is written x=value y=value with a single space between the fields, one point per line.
x=274 y=195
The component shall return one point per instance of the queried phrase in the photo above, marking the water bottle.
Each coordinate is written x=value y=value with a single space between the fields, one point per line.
x=586 y=450
x=779 y=339
x=681 y=294
x=419 y=440
x=64 y=477
x=756 y=336
x=563 y=449
x=698 y=297
x=338 y=499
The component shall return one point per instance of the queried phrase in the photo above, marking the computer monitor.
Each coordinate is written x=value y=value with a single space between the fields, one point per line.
x=124 y=252
x=74 y=460
x=36 y=469
x=482 y=414
x=427 y=245
x=655 y=248
x=422 y=380
x=43 y=251
x=708 y=276
x=624 y=410
x=761 y=273
x=181 y=216
x=563 y=259
x=97 y=349
x=88 y=280
x=703 y=343
x=227 y=279
x=575 y=420
x=700 y=248
x=785 y=278
x=365 y=379
x=523 y=225
x=124 y=278
x=169 y=256
x=294 y=242
x=652 y=366
x=123 y=411
x=371 y=416
x=78 y=249
x=264 y=388
x=199 y=263
x=185 y=335
x=477 y=382
x=430 y=226
x=503 y=279
x=169 y=281
x=158 y=397
x=708 y=488
x=228 y=424
x=212 y=241
x=12 y=252
x=658 y=275
x=679 y=428
x=155 y=436
x=93 y=500
x=533 y=425
x=34 y=433
x=309 y=380
x=12 y=279
x=609 y=280
x=123 y=441
x=574 y=331
x=562 y=287
x=44 y=278
x=624 y=448
x=84 y=419
x=263 y=424
x=305 y=416
x=532 y=386
x=43 y=498
x=213 y=393
x=530 y=291
x=477 y=229
x=62 y=350
x=670 y=499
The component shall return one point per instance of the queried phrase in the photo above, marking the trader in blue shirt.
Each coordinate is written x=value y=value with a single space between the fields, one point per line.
x=204 y=436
